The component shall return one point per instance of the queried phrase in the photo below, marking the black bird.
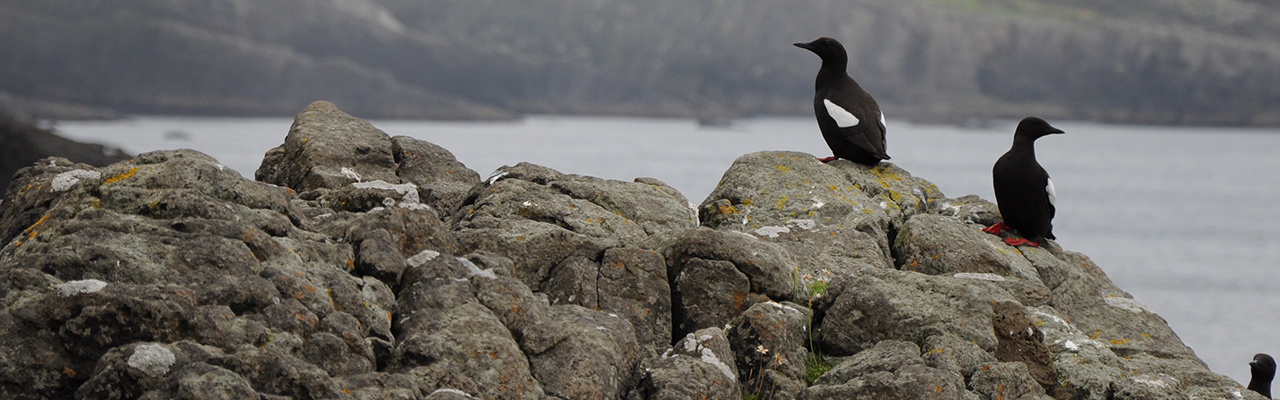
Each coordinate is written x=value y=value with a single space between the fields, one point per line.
x=849 y=118
x=1263 y=369
x=1024 y=192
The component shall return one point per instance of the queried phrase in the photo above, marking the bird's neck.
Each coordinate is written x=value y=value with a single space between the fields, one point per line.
x=832 y=70
x=1026 y=144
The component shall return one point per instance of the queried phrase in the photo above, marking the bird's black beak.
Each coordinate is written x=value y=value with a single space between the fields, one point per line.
x=1254 y=364
x=805 y=46
x=1055 y=130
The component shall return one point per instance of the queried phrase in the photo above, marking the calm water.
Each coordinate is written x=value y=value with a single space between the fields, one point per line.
x=1185 y=219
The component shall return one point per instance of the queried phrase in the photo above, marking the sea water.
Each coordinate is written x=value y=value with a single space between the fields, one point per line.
x=1185 y=219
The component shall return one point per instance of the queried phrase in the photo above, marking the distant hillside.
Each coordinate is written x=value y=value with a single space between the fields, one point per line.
x=1142 y=61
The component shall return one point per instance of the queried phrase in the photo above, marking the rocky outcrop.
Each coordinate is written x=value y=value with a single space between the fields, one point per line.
x=365 y=266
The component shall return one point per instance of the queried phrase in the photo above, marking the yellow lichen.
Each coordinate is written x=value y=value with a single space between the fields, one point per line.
x=127 y=174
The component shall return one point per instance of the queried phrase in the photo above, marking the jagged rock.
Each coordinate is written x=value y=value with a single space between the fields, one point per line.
x=1007 y=380
x=891 y=370
x=1019 y=341
x=700 y=366
x=906 y=306
x=804 y=206
x=326 y=148
x=939 y=245
x=951 y=353
x=447 y=338
x=630 y=282
x=716 y=275
x=539 y=217
x=769 y=343
x=898 y=193
x=443 y=181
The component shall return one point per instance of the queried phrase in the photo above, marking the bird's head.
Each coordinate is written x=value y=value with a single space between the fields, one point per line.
x=827 y=48
x=1263 y=366
x=1033 y=128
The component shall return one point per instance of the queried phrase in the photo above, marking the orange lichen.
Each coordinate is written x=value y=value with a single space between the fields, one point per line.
x=127 y=174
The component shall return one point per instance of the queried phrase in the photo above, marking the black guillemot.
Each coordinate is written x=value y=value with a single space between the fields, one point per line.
x=1024 y=192
x=850 y=120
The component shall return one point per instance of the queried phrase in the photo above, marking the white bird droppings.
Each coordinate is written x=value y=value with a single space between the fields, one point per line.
x=77 y=287
x=980 y=276
x=422 y=258
x=66 y=180
x=486 y=273
x=772 y=231
x=806 y=224
x=350 y=173
x=152 y=359
x=1127 y=304
x=454 y=391
x=495 y=177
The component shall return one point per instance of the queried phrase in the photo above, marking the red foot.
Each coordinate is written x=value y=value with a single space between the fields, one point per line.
x=1019 y=242
x=827 y=159
x=994 y=229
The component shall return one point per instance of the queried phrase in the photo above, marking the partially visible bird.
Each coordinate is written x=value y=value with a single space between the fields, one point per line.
x=1024 y=192
x=850 y=120
x=1262 y=369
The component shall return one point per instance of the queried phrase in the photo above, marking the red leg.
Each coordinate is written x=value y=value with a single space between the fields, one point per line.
x=994 y=229
x=827 y=159
x=1020 y=241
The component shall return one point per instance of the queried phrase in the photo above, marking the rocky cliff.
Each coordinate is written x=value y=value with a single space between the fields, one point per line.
x=366 y=266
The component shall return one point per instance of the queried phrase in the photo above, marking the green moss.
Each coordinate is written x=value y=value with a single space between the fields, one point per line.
x=818 y=288
x=814 y=367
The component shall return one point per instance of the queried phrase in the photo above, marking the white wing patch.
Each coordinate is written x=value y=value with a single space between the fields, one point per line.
x=844 y=119
x=1053 y=197
x=882 y=123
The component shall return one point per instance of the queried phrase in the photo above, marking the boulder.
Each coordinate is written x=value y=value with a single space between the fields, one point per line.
x=891 y=370
x=539 y=217
x=699 y=366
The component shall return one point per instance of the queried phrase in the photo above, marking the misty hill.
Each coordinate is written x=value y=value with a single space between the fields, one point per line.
x=1145 y=61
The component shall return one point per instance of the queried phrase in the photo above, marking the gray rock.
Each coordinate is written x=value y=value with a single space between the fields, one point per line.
x=951 y=353
x=699 y=366
x=1006 y=380
x=539 y=217
x=767 y=266
x=1019 y=341
x=326 y=148
x=442 y=180
x=629 y=282
x=768 y=341
x=898 y=193
x=810 y=208
x=377 y=258
x=905 y=306
x=890 y=370
x=448 y=339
